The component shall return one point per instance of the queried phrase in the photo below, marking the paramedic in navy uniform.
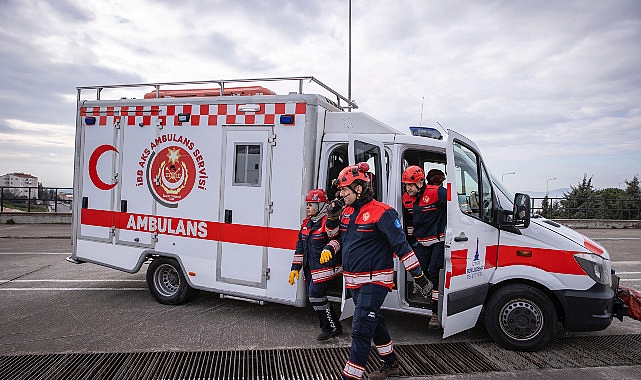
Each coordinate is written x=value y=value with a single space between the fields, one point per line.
x=426 y=205
x=312 y=238
x=369 y=233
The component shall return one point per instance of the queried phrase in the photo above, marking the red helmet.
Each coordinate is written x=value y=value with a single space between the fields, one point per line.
x=315 y=196
x=413 y=174
x=351 y=173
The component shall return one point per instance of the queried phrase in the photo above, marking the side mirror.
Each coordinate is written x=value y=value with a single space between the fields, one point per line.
x=521 y=212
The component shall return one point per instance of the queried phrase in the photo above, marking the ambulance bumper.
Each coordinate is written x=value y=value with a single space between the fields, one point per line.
x=587 y=310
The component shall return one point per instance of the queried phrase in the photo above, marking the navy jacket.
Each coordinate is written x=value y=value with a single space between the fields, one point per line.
x=312 y=239
x=428 y=214
x=370 y=234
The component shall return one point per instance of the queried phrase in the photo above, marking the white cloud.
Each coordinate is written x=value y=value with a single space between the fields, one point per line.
x=550 y=86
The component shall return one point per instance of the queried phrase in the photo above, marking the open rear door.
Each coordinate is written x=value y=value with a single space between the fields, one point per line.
x=471 y=238
x=362 y=149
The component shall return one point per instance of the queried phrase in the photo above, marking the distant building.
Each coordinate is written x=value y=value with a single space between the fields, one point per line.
x=18 y=184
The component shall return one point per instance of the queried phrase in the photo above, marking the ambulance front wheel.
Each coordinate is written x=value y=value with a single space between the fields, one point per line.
x=520 y=317
x=167 y=282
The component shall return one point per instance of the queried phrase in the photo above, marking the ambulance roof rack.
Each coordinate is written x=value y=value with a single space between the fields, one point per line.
x=341 y=101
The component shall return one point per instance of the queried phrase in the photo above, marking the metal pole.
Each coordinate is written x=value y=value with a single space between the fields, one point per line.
x=547 y=185
x=349 y=66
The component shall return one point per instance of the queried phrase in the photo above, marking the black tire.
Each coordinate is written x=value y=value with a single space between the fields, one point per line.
x=167 y=282
x=520 y=317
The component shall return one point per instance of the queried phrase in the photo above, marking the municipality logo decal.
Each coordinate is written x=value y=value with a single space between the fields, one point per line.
x=173 y=170
x=171 y=174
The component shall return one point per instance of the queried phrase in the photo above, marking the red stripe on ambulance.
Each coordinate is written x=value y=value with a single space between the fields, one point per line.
x=198 y=229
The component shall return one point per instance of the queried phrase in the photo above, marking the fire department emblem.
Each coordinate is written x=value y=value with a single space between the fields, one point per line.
x=171 y=175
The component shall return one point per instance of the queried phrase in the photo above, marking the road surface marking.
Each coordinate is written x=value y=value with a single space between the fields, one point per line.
x=64 y=289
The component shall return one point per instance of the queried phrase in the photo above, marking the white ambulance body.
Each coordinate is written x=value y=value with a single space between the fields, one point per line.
x=208 y=187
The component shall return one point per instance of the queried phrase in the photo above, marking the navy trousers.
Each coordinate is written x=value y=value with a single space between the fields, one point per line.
x=367 y=325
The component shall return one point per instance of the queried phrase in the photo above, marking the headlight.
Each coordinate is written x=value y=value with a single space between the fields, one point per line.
x=596 y=267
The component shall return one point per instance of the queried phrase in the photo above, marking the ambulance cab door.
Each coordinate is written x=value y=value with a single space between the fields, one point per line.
x=362 y=149
x=246 y=205
x=471 y=237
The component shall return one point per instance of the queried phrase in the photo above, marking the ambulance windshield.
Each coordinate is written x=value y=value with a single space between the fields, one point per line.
x=505 y=196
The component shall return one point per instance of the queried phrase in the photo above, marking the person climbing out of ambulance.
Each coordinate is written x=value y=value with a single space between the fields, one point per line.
x=369 y=233
x=312 y=238
x=426 y=204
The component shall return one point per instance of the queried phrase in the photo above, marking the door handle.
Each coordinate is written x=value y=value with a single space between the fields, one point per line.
x=461 y=237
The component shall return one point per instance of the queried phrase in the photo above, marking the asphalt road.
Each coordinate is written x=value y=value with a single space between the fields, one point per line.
x=49 y=305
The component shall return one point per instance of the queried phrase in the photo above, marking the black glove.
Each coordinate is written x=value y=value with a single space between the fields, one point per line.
x=425 y=285
x=335 y=208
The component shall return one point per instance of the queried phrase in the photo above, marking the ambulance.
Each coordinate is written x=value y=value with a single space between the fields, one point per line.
x=205 y=187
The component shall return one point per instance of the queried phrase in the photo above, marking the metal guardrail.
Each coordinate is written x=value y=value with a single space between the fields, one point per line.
x=587 y=208
x=59 y=200
x=36 y=199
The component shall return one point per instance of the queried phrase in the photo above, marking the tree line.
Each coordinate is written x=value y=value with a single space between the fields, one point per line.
x=585 y=202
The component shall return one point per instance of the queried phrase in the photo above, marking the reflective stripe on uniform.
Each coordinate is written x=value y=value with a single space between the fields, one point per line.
x=426 y=242
x=355 y=280
x=326 y=274
x=385 y=349
x=353 y=371
x=335 y=244
x=410 y=261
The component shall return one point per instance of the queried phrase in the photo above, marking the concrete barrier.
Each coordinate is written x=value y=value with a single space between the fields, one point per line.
x=35 y=217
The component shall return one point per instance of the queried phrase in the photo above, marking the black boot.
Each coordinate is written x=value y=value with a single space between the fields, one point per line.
x=326 y=334
x=329 y=325
x=335 y=320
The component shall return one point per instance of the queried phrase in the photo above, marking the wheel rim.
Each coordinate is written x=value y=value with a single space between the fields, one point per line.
x=521 y=319
x=167 y=280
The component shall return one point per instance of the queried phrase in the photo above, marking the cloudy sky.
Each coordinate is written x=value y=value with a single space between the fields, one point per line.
x=547 y=89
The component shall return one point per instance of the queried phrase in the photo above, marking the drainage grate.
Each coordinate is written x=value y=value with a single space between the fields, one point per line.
x=322 y=363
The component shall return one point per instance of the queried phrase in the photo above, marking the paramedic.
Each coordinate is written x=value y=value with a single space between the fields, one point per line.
x=369 y=234
x=426 y=205
x=312 y=238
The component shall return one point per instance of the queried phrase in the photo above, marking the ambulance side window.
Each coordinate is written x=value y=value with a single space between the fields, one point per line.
x=337 y=162
x=474 y=188
x=372 y=155
x=248 y=164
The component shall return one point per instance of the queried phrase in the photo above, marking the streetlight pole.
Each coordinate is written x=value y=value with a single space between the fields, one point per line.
x=547 y=185
x=504 y=174
x=349 y=64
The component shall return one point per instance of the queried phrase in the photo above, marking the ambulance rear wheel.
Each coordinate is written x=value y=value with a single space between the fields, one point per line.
x=167 y=283
x=520 y=317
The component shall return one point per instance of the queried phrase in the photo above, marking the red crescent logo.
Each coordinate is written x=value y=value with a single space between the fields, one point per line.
x=93 y=167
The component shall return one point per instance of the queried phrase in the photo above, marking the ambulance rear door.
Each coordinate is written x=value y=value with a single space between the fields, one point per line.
x=471 y=237
x=100 y=135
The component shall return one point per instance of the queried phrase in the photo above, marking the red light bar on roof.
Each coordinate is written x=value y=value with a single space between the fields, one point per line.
x=231 y=91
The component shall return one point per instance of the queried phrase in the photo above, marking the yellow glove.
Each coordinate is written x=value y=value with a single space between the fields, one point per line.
x=326 y=255
x=293 y=274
